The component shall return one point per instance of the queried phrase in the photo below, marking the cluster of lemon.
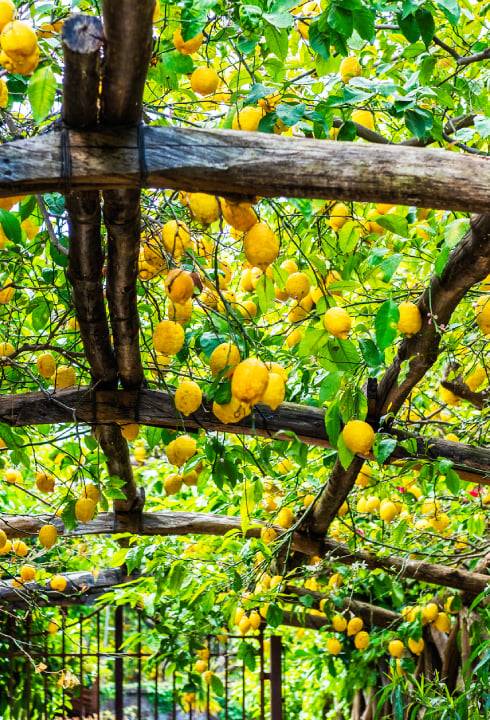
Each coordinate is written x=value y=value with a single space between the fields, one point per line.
x=201 y=665
x=20 y=52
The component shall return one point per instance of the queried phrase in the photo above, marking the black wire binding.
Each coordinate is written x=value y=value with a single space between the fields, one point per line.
x=65 y=160
x=142 y=155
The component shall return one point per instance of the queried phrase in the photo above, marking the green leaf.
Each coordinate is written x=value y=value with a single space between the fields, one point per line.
x=277 y=41
x=383 y=447
x=349 y=236
x=451 y=10
x=68 y=515
x=341 y=20
x=332 y=423
x=178 y=63
x=347 y=405
x=175 y=578
x=452 y=481
x=40 y=316
x=347 y=131
x=279 y=19
x=265 y=293
x=442 y=259
x=371 y=353
x=426 y=24
x=290 y=114
x=418 y=121
x=330 y=386
x=396 y=224
x=11 y=440
x=364 y=22
x=344 y=354
x=209 y=341
x=118 y=558
x=346 y=456
x=41 y=92
x=257 y=92
x=217 y=686
x=274 y=615
x=11 y=226
x=409 y=27
x=319 y=41
x=385 y=324
x=313 y=341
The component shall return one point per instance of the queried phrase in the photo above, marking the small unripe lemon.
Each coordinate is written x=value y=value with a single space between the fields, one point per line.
x=187 y=47
x=188 y=397
x=58 y=582
x=20 y=548
x=361 y=640
x=46 y=365
x=358 y=436
x=84 y=509
x=334 y=646
x=396 y=648
x=339 y=623
x=410 y=321
x=275 y=391
x=48 y=536
x=249 y=381
x=204 y=81
x=261 y=246
x=226 y=355
x=354 y=626
x=285 y=518
x=168 y=337
x=337 y=322
x=416 y=646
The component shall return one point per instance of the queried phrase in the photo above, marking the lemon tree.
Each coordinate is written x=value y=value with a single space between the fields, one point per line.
x=310 y=431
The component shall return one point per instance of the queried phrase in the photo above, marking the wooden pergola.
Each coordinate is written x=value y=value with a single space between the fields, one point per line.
x=99 y=158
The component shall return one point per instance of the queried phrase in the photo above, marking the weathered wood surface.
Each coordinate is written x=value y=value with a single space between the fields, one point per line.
x=370 y=614
x=156 y=408
x=189 y=523
x=82 y=588
x=242 y=163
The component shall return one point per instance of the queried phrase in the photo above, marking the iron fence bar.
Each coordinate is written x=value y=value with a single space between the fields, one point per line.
x=139 y=668
x=276 y=677
x=243 y=689
x=63 y=649
x=155 y=706
x=10 y=623
x=45 y=677
x=262 y=674
x=80 y=641
x=118 y=663
x=98 y=665
x=28 y=678
x=174 y=696
x=226 y=678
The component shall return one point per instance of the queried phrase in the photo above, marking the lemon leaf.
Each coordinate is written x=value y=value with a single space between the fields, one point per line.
x=41 y=93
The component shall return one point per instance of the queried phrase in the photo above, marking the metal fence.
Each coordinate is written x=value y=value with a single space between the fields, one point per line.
x=83 y=670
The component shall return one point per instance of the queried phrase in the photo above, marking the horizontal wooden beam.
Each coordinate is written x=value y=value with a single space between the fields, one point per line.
x=189 y=523
x=243 y=163
x=156 y=408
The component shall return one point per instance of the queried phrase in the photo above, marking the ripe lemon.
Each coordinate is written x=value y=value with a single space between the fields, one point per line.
x=361 y=640
x=248 y=118
x=440 y=522
x=179 y=312
x=363 y=117
x=430 y=612
x=477 y=378
x=298 y=285
x=12 y=476
x=241 y=216
x=48 y=536
x=249 y=381
x=173 y=484
x=289 y=266
x=44 y=482
x=7 y=293
x=335 y=581
x=338 y=216
x=255 y=619
x=396 y=648
x=349 y=68
x=339 y=623
x=91 y=491
x=58 y=582
x=416 y=646
x=188 y=397
x=354 y=626
x=247 y=309
x=337 y=322
x=244 y=625
x=448 y=397
x=64 y=377
x=190 y=479
x=294 y=338
x=482 y=314
x=372 y=504
x=388 y=511
x=231 y=412
x=180 y=450
x=268 y=535
x=3 y=539
x=20 y=548
x=46 y=365
x=84 y=509
x=179 y=285
x=176 y=237
x=448 y=605
x=130 y=431
x=6 y=349
x=285 y=518
x=28 y=573
x=225 y=355
x=261 y=246
x=442 y=623
x=204 y=81
x=358 y=436
x=7 y=11
x=6 y=547
x=275 y=391
x=334 y=646
x=410 y=322
x=204 y=208
x=18 y=41
x=187 y=47
x=168 y=337
x=364 y=477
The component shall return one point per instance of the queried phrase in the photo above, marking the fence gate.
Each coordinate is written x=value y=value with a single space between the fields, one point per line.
x=77 y=666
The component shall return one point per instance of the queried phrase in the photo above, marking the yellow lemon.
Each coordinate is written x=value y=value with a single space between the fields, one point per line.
x=187 y=47
x=188 y=397
x=204 y=81
x=168 y=337
x=46 y=365
x=249 y=381
x=358 y=436
x=261 y=246
x=58 y=582
x=275 y=391
x=337 y=322
x=248 y=118
x=410 y=322
x=396 y=648
x=48 y=535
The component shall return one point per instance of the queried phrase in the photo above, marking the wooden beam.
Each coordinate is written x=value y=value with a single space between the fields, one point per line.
x=188 y=523
x=156 y=408
x=241 y=163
